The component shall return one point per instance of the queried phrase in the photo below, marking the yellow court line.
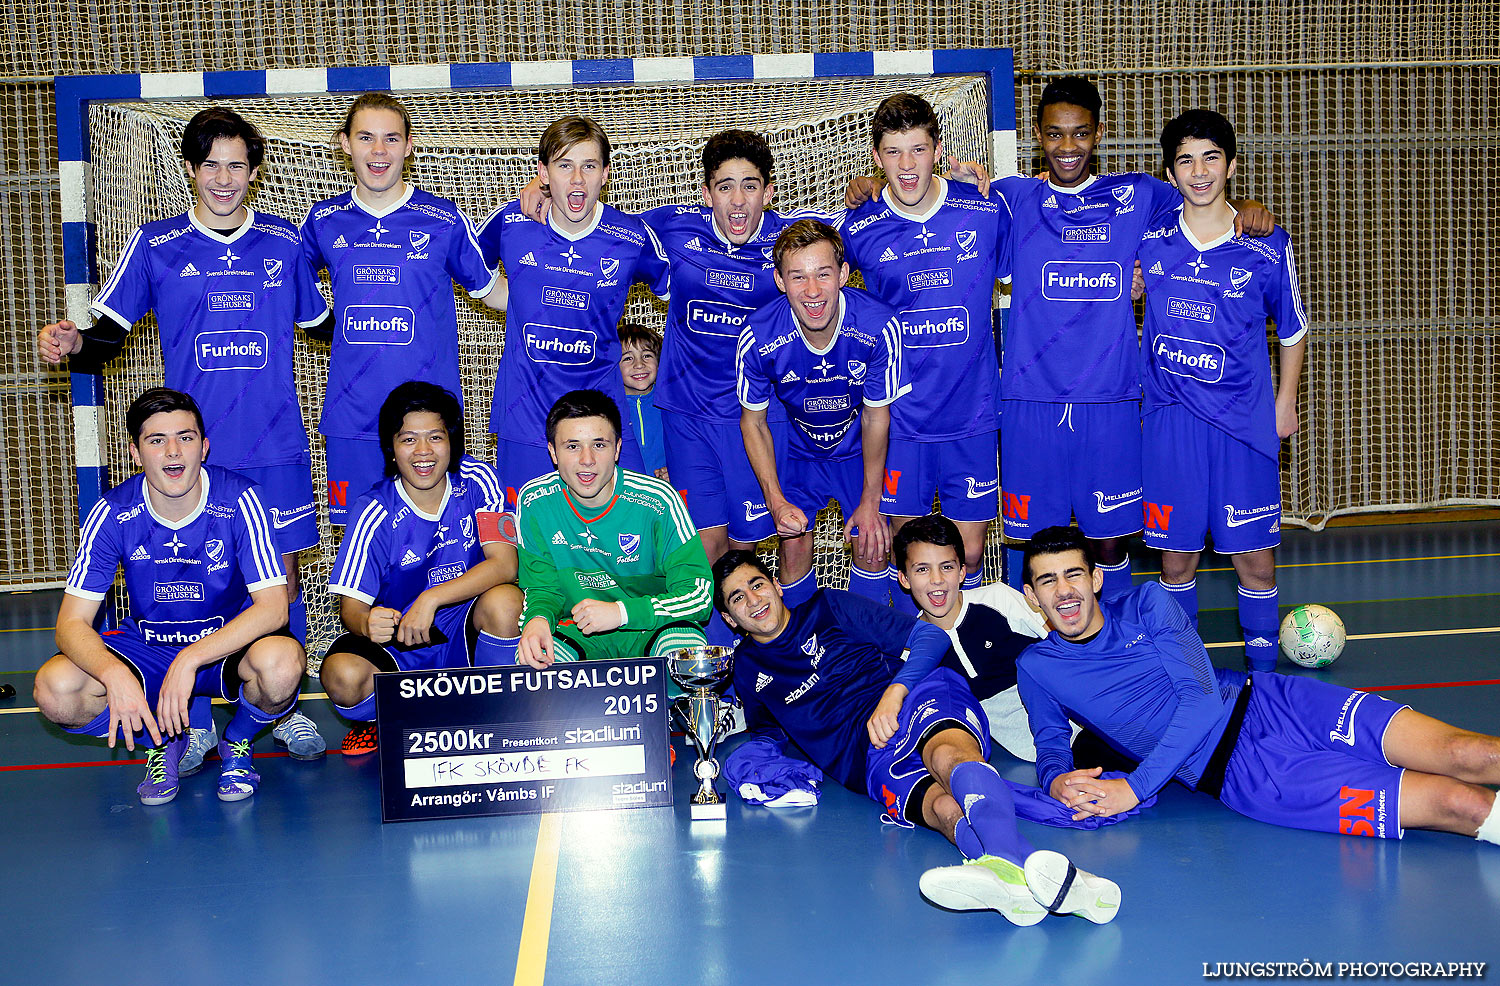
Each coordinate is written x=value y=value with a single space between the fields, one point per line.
x=1383 y=636
x=25 y=629
x=531 y=956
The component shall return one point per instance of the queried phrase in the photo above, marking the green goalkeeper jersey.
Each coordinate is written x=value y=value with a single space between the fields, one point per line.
x=640 y=549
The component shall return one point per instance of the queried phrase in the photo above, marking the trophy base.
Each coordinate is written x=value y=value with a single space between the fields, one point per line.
x=716 y=812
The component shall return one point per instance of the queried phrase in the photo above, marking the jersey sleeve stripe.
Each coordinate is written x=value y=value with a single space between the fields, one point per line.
x=1294 y=285
x=85 y=559
x=101 y=300
x=741 y=384
x=482 y=475
x=356 y=556
x=685 y=605
x=675 y=507
x=262 y=544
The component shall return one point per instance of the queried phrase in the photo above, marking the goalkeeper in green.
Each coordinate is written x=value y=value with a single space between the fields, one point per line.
x=610 y=561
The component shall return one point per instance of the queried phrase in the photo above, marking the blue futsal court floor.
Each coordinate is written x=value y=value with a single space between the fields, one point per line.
x=303 y=884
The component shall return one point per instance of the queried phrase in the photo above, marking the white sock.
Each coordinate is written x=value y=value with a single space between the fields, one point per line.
x=1489 y=829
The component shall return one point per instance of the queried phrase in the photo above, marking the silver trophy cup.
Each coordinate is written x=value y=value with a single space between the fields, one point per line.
x=703 y=673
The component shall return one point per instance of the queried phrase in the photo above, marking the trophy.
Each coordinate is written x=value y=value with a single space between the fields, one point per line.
x=703 y=673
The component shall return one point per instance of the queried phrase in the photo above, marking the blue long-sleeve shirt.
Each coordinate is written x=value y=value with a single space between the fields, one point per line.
x=1144 y=683
x=820 y=679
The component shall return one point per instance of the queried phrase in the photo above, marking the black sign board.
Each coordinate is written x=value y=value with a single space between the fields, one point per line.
x=511 y=740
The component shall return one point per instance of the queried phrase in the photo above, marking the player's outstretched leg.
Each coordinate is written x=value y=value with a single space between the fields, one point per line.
x=1003 y=867
x=1445 y=768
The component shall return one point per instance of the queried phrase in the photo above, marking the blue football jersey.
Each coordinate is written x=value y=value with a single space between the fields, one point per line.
x=185 y=578
x=392 y=273
x=938 y=271
x=393 y=552
x=715 y=287
x=1072 y=336
x=822 y=390
x=1204 y=345
x=226 y=307
x=821 y=677
x=567 y=294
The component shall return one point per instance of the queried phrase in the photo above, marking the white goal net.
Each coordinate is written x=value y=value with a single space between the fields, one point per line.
x=478 y=148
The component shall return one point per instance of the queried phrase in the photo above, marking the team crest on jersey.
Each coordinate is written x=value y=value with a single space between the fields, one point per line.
x=966 y=239
x=813 y=649
x=215 y=549
x=888 y=256
x=1239 y=277
x=419 y=241
x=856 y=370
x=189 y=271
x=608 y=266
x=1123 y=194
x=467 y=527
x=768 y=252
x=630 y=543
x=273 y=273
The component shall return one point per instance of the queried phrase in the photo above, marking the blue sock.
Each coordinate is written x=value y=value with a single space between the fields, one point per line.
x=901 y=600
x=364 y=711
x=972 y=579
x=491 y=651
x=1117 y=581
x=249 y=720
x=871 y=585
x=1186 y=595
x=297 y=618
x=801 y=590
x=201 y=712
x=1258 y=616
x=1015 y=568
x=989 y=809
x=965 y=839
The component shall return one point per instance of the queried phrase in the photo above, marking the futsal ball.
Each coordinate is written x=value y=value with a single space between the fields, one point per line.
x=1312 y=636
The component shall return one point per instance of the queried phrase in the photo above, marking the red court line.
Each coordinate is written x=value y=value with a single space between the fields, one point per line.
x=1432 y=684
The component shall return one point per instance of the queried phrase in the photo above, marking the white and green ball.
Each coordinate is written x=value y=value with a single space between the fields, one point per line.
x=1312 y=636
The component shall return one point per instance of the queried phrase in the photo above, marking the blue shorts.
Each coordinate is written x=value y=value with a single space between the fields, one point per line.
x=354 y=465
x=1058 y=461
x=808 y=484
x=964 y=474
x=149 y=663
x=287 y=493
x=708 y=464
x=942 y=700
x=1311 y=756
x=1199 y=479
x=456 y=652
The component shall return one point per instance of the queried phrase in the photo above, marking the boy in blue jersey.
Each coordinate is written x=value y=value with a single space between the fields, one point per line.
x=640 y=353
x=425 y=576
x=828 y=676
x=933 y=249
x=228 y=285
x=208 y=609
x=831 y=357
x=1212 y=429
x=569 y=277
x=393 y=253
x=1290 y=751
x=720 y=253
x=1070 y=377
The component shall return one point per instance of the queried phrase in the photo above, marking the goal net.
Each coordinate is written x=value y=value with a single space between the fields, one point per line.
x=477 y=147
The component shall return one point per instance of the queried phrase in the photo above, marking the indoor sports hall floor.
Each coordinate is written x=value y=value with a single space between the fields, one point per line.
x=302 y=884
